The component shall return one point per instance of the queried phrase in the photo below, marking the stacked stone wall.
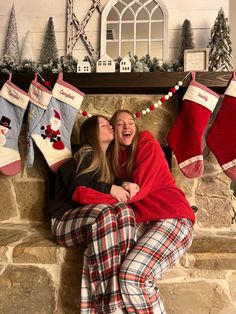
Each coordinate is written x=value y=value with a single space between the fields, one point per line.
x=38 y=276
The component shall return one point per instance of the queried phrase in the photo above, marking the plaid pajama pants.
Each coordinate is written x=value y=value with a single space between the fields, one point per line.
x=159 y=245
x=108 y=233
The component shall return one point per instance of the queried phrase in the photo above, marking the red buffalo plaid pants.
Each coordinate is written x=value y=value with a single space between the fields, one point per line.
x=160 y=244
x=108 y=233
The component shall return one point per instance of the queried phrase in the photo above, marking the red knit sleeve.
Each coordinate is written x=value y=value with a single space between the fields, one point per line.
x=86 y=196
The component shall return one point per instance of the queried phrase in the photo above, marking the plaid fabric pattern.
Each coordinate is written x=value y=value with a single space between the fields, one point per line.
x=159 y=245
x=108 y=233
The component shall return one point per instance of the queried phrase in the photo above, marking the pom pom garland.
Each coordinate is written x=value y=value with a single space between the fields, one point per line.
x=85 y=113
x=161 y=101
x=137 y=114
x=153 y=106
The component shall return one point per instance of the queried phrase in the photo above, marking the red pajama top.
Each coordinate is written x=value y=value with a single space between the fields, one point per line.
x=159 y=197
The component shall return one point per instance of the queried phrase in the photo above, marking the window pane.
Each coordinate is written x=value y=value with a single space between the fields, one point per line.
x=112 y=49
x=141 y=48
x=143 y=15
x=120 y=6
x=143 y=1
x=112 y=31
x=112 y=16
x=127 y=1
x=135 y=6
x=157 y=14
x=127 y=31
x=157 y=50
x=157 y=31
x=150 y=6
x=142 y=31
x=128 y=15
x=126 y=47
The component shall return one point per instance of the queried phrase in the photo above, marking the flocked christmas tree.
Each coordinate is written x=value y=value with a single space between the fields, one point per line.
x=49 y=51
x=186 y=41
x=28 y=48
x=220 y=46
x=11 y=44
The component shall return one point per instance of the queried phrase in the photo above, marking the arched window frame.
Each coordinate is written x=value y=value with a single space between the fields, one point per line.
x=107 y=9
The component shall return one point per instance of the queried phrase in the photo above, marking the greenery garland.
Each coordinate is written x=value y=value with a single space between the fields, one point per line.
x=69 y=64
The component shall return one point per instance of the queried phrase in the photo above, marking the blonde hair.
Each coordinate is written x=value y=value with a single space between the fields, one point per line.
x=130 y=162
x=89 y=141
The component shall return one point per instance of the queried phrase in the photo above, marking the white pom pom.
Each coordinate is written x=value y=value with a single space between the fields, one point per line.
x=155 y=105
x=180 y=83
x=147 y=110
x=167 y=97
x=81 y=111
x=144 y=112
x=170 y=94
x=176 y=87
x=89 y=115
x=159 y=102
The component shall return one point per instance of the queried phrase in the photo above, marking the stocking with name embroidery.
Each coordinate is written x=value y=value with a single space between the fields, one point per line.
x=185 y=136
x=13 y=103
x=53 y=125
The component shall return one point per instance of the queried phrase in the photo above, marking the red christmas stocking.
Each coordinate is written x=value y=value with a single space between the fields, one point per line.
x=221 y=138
x=185 y=136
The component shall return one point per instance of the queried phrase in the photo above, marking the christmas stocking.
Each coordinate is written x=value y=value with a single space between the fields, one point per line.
x=13 y=102
x=185 y=136
x=52 y=126
x=221 y=138
x=40 y=98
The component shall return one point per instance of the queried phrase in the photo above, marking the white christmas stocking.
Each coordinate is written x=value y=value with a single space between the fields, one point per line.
x=13 y=102
x=40 y=97
x=53 y=125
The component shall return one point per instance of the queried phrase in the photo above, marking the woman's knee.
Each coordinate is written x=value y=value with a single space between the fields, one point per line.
x=129 y=274
x=106 y=215
x=124 y=211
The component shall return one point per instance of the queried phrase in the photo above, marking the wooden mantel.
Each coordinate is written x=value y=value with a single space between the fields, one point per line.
x=126 y=83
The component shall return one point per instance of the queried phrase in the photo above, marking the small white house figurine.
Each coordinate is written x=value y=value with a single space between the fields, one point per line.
x=125 y=65
x=83 y=67
x=105 y=64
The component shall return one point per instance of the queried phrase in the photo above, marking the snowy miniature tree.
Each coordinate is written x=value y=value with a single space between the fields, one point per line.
x=220 y=46
x=49 y=49
x=28 y=48
x=11 y=44
x=186 y=41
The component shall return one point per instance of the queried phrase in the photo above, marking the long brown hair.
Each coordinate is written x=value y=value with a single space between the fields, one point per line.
x=89 y=141
x=130 y=162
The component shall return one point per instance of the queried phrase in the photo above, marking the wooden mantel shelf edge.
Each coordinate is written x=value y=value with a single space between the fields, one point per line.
x=126 y=83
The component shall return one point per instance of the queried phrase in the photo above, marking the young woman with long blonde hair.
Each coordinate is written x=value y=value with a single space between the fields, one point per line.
x=107 y=232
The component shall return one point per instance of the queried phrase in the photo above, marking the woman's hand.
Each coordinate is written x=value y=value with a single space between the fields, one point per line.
x=119 y=193
x=132 y=188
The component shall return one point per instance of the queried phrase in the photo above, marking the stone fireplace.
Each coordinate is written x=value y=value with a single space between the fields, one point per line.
x=33 y=266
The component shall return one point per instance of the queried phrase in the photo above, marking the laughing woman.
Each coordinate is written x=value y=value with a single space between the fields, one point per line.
x=164 y=217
